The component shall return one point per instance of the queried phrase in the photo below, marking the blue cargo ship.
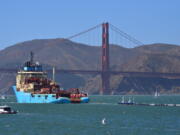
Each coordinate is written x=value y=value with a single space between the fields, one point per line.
x=33 y=86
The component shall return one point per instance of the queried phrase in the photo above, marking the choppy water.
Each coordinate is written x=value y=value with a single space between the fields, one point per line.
x=86 y=119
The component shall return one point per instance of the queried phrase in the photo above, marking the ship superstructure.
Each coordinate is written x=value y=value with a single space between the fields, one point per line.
x=33 y=86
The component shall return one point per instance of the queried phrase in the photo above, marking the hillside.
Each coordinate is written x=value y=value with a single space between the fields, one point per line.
x=65 y=54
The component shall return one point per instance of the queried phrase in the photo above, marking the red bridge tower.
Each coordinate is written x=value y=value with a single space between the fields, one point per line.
x=105 y=75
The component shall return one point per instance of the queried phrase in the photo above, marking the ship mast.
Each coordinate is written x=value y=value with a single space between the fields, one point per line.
x=54 y=74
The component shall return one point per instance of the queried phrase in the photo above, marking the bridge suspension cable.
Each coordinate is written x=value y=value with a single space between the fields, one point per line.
x=83 y=32
x=125 y=35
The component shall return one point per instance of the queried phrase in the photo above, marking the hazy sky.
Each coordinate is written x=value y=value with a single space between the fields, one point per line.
x=149 y=21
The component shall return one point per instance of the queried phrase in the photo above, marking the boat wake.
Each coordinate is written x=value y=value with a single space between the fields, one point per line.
x=8 y=102
x=100 y=103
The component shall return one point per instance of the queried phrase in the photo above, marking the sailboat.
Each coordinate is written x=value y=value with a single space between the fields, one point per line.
x=156 y=94
x=123 y=101
x=129 y=101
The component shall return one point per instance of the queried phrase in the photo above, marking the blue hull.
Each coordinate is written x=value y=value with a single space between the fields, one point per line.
x=85 y=99
x=23 y=97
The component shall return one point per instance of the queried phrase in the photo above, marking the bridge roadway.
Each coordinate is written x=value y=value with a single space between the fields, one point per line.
x=123 y=73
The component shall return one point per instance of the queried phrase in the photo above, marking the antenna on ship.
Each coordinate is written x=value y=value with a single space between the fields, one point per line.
x=54 y=74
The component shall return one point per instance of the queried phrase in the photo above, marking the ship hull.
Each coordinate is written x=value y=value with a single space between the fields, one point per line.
x=85 y=99
x=23 y=97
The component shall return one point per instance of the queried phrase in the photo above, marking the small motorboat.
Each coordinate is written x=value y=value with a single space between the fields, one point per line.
x=129 y=102
x=6 y=110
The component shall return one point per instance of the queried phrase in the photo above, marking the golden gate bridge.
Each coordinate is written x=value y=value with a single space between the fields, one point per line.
x=105 y=70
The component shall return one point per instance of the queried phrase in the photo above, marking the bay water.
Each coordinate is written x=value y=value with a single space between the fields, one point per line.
x=87 y=119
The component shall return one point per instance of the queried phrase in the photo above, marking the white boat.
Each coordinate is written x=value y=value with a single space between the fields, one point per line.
x=129 y=101
x=6 y=110
x=156 y=94
x=123 y=101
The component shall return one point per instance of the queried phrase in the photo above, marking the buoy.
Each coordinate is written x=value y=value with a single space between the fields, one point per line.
x=103 y=121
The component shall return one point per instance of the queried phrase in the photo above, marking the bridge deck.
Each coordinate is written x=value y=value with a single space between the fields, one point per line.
x=123 y=73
